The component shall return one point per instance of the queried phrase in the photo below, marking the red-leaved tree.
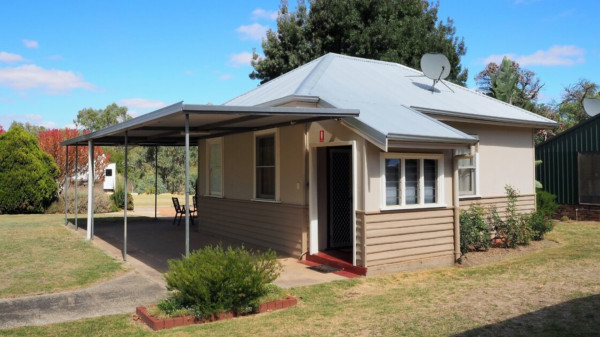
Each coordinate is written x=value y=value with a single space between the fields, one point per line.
x=1 y=130
x=50 y=142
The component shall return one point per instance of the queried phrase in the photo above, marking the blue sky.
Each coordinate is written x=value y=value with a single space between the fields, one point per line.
x=59 y=57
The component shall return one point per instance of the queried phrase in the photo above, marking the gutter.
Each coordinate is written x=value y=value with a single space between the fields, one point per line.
x=456 y=201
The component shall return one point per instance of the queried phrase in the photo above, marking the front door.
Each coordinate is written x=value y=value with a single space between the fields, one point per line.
x=339 y=197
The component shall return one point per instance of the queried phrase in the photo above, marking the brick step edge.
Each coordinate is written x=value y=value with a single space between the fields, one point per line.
x=168 y=323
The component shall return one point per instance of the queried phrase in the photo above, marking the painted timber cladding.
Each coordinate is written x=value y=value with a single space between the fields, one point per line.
x=525 y=203
x=558 y=172
x=271 y=225
x=400 y=237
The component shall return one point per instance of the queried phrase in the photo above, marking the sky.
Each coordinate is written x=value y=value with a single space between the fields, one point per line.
x=59 y=57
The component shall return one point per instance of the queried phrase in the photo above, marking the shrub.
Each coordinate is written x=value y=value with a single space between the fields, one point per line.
x=102 y=204
x=515 y=228
x=118 y=197
x=27 y=174
x=213 y=279
x=546 y=203
x=147 y=183
x=540 y=225
x=474 y=230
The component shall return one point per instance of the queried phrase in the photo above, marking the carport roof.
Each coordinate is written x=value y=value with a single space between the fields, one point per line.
x=166 y=126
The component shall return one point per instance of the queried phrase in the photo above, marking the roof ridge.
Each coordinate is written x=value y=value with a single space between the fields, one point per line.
x=315 y=74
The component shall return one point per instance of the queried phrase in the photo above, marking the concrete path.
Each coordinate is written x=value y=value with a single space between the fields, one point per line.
x=120 y=295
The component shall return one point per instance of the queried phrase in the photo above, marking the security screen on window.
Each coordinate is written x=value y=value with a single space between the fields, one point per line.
x=265 y=166
x=589 y=178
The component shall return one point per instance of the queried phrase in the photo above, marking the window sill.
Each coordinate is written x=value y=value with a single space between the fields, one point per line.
x=213 y=196
x=467 y=197
x=411 y=207
x=271 y=201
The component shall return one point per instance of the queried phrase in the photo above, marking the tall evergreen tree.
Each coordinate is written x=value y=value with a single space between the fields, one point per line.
x=396 y=31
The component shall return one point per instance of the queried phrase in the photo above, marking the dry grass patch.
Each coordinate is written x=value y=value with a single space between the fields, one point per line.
x=40 y=255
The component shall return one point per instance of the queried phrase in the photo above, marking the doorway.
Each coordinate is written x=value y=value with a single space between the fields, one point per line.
x=339 y=198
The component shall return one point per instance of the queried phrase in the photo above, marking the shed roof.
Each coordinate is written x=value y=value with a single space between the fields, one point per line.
x=393 y=99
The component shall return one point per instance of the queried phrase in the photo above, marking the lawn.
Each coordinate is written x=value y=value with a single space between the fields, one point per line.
x=40 y=255
x=555 y=291
x=164 y=200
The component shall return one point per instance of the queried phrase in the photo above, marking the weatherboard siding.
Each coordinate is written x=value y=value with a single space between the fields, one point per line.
x=405 y=240
x=525 y=203
x=270 y=225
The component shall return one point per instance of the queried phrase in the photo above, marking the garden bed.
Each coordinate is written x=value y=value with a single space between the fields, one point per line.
x=168 y=323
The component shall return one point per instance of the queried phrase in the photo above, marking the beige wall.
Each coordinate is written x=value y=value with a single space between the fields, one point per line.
x=506 y=157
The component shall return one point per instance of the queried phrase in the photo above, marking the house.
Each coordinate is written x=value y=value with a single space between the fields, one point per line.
x=381 y=190
x=355 y=162
x=570 y=169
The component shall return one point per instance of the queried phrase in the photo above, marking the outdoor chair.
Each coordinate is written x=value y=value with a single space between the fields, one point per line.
x=180 y=210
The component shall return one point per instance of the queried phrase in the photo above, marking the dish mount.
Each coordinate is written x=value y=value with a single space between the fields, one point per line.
x=436 y=67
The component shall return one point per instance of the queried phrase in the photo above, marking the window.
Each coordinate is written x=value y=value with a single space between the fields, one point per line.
x=266 y=165
x=108 y=173
x=412 y=180
x=589 y=178
x=467 y=174
x=214 y=150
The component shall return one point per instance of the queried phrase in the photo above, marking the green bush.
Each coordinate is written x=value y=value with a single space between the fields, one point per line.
x=27 y=174
x=540 y=225
x=474 y=230
x=147 y=183
x=515 y=228
x=118 y=197
x=213 y=280
x=546 y=203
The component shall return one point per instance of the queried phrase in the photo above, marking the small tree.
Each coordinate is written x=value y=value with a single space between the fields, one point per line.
x=50 y=142
x=27 y=174
x=1 y=130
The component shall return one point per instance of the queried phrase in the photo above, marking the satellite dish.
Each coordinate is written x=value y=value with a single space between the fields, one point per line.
x=591 y=106
x=436 y=67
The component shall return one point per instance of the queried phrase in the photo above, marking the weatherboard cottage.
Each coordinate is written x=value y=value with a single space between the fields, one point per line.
x=359 y=163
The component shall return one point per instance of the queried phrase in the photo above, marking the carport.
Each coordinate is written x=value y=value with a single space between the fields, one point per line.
x=178 y=125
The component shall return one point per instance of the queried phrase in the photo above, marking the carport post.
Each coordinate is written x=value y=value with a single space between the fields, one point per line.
x=90 y=210
x=76 y=174
x=155 y=180
x=125 y=206
x=66 y=197
x=187 y=185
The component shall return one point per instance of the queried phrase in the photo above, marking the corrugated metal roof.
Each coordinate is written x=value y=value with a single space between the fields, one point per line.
x=389 y=97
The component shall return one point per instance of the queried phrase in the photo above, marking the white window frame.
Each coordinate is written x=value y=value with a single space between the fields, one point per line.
x=210 y=142
x=477 y=193
x=275 y=132
x=439 y=197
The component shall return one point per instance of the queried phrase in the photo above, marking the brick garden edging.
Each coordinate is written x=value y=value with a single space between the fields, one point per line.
x=168 y=323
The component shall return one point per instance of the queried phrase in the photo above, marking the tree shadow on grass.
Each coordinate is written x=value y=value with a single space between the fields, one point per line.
x=578 y=317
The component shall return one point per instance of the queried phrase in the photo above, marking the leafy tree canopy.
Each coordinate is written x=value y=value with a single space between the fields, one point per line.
x=397 y=31
x=510 y=83
x=27 y=174
x=96 y=119
x=1 y=129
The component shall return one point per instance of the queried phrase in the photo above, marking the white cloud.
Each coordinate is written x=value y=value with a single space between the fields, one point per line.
x=33 y=119
x=10 y=58
x=225 y=77
x=554 y=56
x=32 y=44
x=254 y=31
x=260 y=13
x=52 y=81
x=241 y=59
x=141 y=103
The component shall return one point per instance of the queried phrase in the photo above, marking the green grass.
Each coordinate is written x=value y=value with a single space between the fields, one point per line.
x=40 y=255
x=555 y=291
x=163 y=199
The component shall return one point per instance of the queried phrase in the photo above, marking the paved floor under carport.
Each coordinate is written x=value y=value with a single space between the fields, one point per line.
x=150 y=243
